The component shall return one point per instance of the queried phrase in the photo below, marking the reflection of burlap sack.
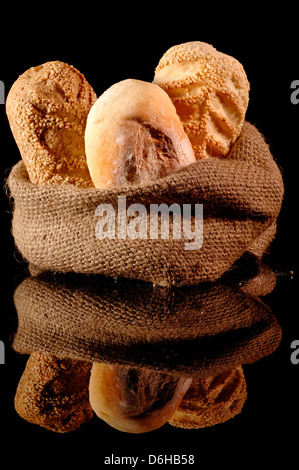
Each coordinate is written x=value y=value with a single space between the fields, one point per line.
x=196 y=331
x=54 y=226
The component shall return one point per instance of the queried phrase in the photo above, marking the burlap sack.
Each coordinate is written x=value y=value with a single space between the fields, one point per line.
x=195 y=330
x=54 y=226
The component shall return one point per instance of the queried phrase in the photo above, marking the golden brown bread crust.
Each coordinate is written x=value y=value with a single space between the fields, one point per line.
x=47 y=107
x=132 y=399
x=133 y=135
x=212 y=400
x=210 y=91
x=53 y=393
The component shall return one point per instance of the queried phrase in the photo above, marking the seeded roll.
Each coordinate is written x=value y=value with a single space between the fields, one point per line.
x=47 y=107
x=210 y=92
x=53 y=393
x=212 y=400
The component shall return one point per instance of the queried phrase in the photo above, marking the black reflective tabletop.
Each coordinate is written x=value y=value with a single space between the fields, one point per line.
x=248 y=318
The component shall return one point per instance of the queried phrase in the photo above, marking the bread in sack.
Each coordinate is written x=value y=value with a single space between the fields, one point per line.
x=210 y=92
x=55 y=226
x=47 y=107
x=133 y=135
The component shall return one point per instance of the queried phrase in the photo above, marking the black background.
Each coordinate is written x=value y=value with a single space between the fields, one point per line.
x=109 y=44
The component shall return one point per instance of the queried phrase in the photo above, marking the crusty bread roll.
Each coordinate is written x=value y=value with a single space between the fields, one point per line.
x=212 y=400
x=134 y=400
x=210 y=91
x=47 y=107
x=53 y=393
x=133 y=135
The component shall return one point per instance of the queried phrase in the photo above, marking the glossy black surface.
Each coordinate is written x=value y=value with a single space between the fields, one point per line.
x=265 y=431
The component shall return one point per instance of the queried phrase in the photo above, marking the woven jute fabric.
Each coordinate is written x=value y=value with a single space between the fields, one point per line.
x=192 y=330
x=54 y=226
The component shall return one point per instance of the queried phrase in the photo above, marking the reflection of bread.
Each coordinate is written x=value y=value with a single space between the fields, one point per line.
x=53 y=393
x=133 y=135
x=47 y=108
x=134 y=400
x=210 y=91
x=212 y=400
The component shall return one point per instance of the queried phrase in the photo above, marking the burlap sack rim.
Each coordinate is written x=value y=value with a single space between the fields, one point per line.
x=264 y=216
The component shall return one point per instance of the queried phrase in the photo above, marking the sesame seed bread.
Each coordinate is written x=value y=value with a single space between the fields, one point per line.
x=210 y=92
x=53 y=392
x=47 y=107
x=212 y=400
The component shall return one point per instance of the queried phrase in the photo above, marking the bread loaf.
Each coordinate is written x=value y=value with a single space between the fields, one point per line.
x=133 y=135
x=132 y=399
x=47 y=107
x=210 y=92
x=53 y=393
x=212 y=400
